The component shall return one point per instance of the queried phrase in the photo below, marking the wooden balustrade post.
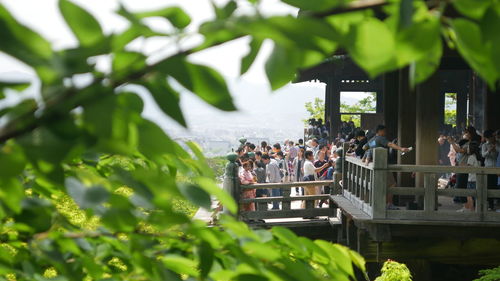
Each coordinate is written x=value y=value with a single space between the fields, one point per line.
x=231 y=183
x=430 y=196
x=379 y=184
x=309 y=204
x=262 y=206
x=482 y=195
x=345 y=183
x=286 y=205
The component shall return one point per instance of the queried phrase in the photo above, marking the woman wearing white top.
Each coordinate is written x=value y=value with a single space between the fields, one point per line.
x=472 y=160
x=310 y=174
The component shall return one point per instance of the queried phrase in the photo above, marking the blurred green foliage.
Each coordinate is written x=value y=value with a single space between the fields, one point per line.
x=489 y=274
x=394 y=271
x=91 y=190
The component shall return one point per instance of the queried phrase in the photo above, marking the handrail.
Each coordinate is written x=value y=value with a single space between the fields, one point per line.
x=443 y=169
x=361 y=178
x=359 y=162
x=281 y=199
x=365 y=187
x=286 y=184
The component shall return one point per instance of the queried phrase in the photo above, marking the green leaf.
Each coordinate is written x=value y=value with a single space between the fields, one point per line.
x=287 y=237
x=21 y=42
x=471 y=46
x=281 y=66
x=339 y=255
x=417 y=41
x=96 y=122
x=12 y=161
x=137 y=29
x=86 y=197
x=474 y=9
x=248 y=59
x=180 y=265
x=36 y=213
x=317 y=5
x=358 y=260
x=226 y=11
x=75 y=189
x=303 y=32
x=17 y=86
x=85 y=27
x=406 y=13
x=11 y=193
x=262 y=251
x=125 y=63
x=95 y=196
x=175 y=15
x=202 y=161
x=317 y=254
x=224 y=198
x=490 y=25
x=344 y=23
x=206 y=259
x=153 y=142
x=119 y=219
x=46 y=152
x=201 y=80
x=218 y=32
x=196 y=195
x=425 y=67
x=372 y=46
x=211 y=87
x=166 y=98
x=250 y=277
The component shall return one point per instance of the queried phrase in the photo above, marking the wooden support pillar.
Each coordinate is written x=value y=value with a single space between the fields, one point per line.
x=476 y=103
x=462 y=107
x=333 y=90
x=390 y=103
x=442 y=96
x=379 y=186
x=380 y=100
x=406 y=126
x=328 y=105
x=427 y=123
x=492 y=113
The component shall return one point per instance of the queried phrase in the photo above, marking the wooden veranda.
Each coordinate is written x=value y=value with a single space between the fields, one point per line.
x=430 y=230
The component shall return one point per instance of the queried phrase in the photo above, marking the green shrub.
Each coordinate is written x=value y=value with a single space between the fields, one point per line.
x=489 y=274
x=394 y=271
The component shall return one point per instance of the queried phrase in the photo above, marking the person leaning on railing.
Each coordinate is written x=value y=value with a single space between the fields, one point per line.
x=310 y=174
x=298 y=169
x=247 y=178
x=490 y=151
x=335 y=173
x=274 y=176
x=379 y=140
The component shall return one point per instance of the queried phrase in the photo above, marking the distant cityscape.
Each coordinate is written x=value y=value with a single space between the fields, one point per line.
x=262 y=116
x=218 y=142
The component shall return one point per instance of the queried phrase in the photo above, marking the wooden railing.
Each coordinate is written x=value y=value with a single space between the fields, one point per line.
x=310 y=207
x=366 y=186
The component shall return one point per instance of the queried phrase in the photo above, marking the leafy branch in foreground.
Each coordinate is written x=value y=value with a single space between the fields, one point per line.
x=83 y=137
x=88 y=143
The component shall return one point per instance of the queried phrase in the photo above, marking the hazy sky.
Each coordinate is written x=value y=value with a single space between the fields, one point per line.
x=43 y=16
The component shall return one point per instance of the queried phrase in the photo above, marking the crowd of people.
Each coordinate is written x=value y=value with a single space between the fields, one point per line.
x=470 y=148
x=310 y=161
x=319 y=158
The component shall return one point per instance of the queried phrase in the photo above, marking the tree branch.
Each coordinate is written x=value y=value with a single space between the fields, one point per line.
x=351 y=7
x=28 y=122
